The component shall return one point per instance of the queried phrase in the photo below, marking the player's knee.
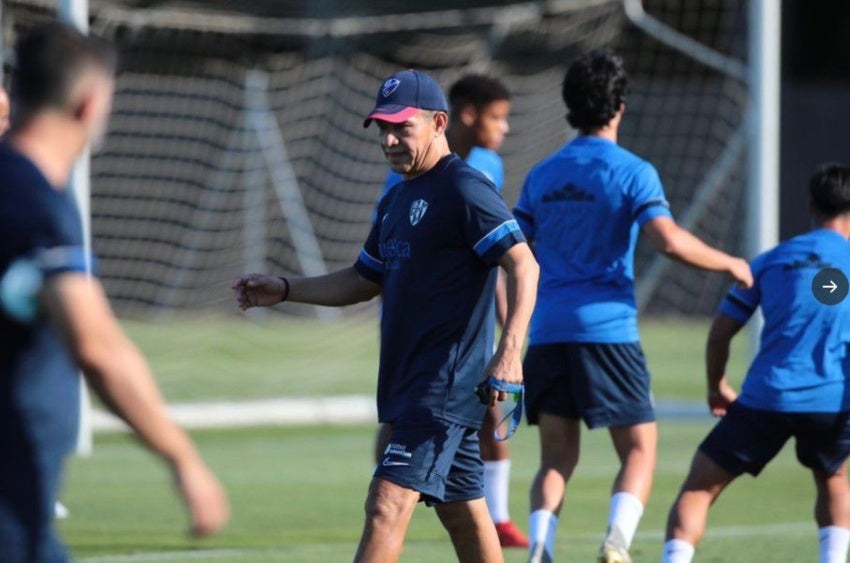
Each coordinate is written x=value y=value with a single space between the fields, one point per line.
x=385 y=502
x=561 y=460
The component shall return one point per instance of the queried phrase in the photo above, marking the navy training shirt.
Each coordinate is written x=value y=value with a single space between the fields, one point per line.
x=803 y=362
x=433 y=249
x=39 y=388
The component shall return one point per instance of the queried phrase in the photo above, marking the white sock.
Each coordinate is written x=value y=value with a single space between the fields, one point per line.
x=542 y=526
x=496 y=480
x=678 y=551
x=626 y=510
x=834 y=542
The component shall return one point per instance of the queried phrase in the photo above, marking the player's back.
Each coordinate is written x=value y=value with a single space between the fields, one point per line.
x=802 y=364
x=583 y=206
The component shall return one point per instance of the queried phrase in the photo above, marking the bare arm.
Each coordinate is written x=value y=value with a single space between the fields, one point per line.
x=677 y=243
x=521 y=273
x=118 y=372
x=343 y=287
x=720 y=394
x=501 y=298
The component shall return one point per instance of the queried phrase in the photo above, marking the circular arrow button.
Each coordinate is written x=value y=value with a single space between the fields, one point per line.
x=830 y=286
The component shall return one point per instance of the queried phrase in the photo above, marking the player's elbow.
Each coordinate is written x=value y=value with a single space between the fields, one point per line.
x=672 y=246
x=721 y=333
x=666 y=237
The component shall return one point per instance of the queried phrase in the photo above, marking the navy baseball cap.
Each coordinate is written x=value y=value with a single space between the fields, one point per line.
x=403 y=94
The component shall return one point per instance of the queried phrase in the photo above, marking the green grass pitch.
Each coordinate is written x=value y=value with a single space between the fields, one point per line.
x=297 y=493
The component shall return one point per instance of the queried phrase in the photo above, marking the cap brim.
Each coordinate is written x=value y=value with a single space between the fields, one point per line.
x=391 y=113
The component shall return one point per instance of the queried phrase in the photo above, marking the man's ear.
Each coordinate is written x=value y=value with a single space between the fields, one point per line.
x=468 y=115
x=83 y=107
x=441 y=121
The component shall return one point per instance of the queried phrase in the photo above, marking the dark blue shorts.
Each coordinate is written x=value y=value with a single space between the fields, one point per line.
x=604 y=384
x=439 y=459
x=746 y=439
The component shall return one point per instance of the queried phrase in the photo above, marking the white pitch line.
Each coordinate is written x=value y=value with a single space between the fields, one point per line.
x=343 y=409
x=189 y=554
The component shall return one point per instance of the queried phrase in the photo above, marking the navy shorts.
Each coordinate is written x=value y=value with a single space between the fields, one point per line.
x=746 y=439
x=604 y=384
x=439 y=459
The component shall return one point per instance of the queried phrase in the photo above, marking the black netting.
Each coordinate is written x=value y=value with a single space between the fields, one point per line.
x=187 y=169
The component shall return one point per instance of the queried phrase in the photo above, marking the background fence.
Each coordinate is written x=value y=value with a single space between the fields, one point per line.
x=236 y=142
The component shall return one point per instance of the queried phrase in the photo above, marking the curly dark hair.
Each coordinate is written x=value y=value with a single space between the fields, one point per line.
x=594 y=88
x=829 y=190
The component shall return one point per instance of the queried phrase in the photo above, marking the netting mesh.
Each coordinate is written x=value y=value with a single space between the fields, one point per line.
x=235 y=151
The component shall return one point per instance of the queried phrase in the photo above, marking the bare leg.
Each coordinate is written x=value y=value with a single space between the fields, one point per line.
x=832 y=507
x=635 y=446
x=388 y=511
x=497 y=468
x=832 y=513
x=491 y=449
x=472 y=531
x=688 y=515
x=559 y=450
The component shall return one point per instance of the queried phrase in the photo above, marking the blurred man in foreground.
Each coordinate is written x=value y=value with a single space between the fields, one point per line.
x=55 y=318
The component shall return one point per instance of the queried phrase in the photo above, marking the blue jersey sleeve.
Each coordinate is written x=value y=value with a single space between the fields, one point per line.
x=61 y=247
x=488 y=163
x=524 y=211
x=62 y=259
x=648 y=199
x=490 y=229
x=740 y=304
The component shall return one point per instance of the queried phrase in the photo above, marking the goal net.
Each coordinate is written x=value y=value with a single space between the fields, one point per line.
x=235 y=145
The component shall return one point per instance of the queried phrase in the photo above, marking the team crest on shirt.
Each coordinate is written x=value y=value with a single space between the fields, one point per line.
x=389 y=86
x=417 y=210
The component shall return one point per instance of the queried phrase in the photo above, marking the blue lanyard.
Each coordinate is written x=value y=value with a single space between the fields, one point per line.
x=514 y=417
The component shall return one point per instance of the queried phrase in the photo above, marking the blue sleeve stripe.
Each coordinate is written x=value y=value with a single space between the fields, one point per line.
x=651 y=203
x=652 y=209
x=370 y=262
x=741 y=302
x=487 y=241
x=737 y=308
x=65 y=259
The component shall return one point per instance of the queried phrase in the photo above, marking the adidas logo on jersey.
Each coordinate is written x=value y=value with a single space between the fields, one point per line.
x=569 y=193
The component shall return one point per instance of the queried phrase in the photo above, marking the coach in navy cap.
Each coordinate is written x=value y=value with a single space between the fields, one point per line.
x=432 y=255
x=403 y=94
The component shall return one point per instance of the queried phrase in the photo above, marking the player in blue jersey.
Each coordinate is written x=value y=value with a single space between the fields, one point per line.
x=582 y=209
x=797 y=385
x=478 y=122
x=54 y=317
x=432 y=256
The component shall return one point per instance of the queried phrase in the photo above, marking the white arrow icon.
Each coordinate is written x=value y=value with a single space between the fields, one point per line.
x=832 y=287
